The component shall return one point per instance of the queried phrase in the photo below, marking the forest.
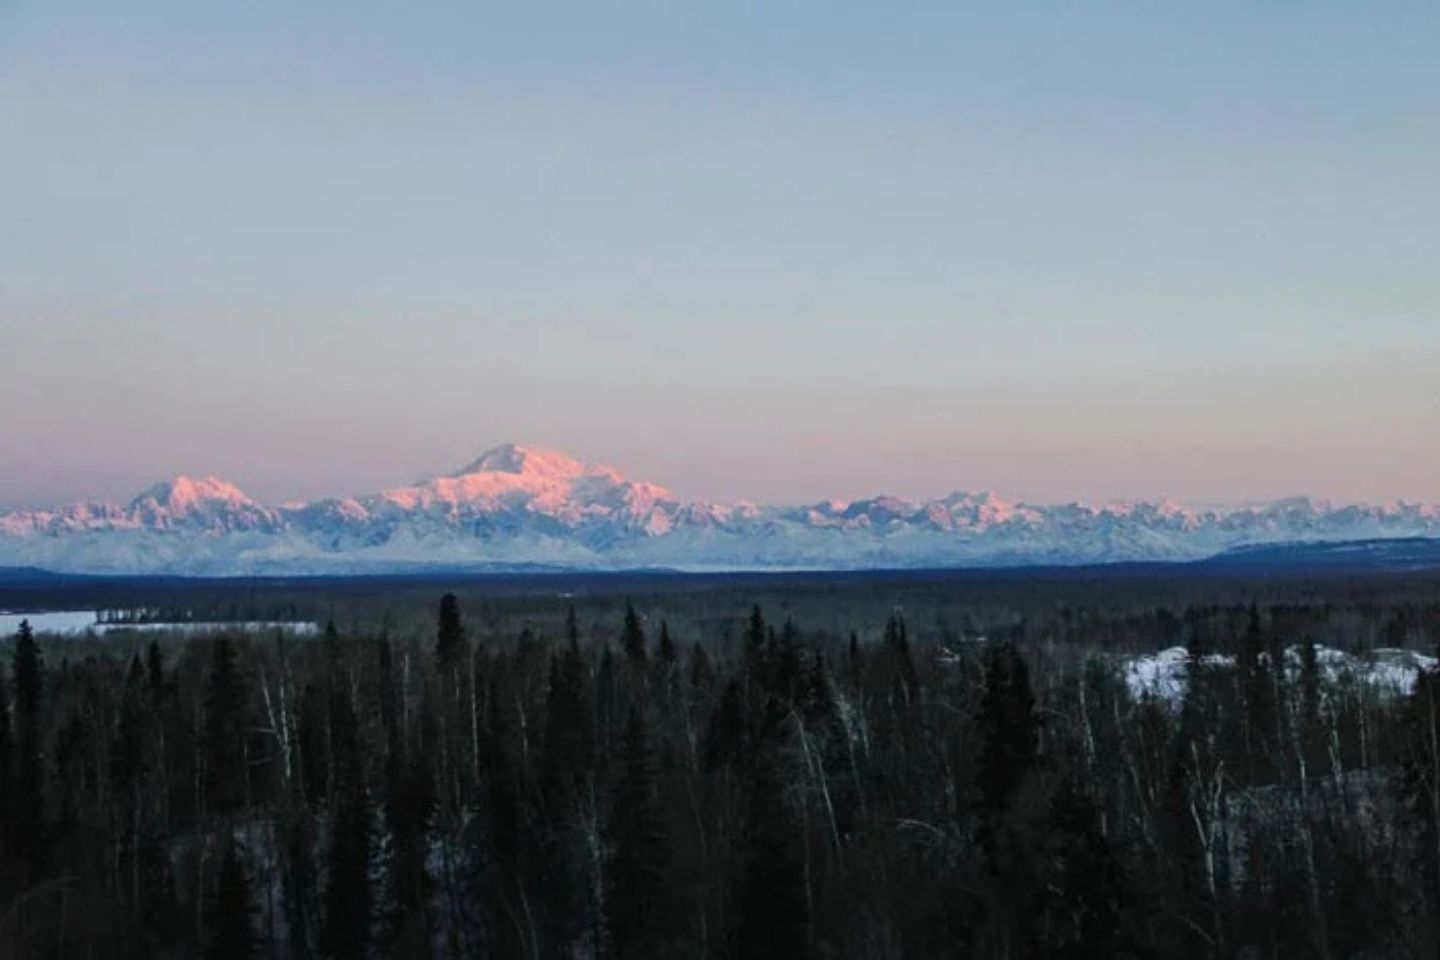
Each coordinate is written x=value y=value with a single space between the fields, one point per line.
x=751 y=769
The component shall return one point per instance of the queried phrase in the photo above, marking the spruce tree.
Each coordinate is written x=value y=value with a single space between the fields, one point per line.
x=28 y=675
x=567 y=777
x=313 y=741
x=897 y=644
x=409 y=812
x=500 y=862
x=348 y=898
x=607 y=699
x=408 y=808
x=1255 y=663
x=755 y=647
x=702 y=671
x=773 y=920
x=1199 y=708
x=1419 y=786
x=300 y=880
x=229 y=912
x=224 y=732
x=1008 y=730
x=28 y=810
x=332 y=641
x=1085 y=887
x=449 y=634
x=726 y=736
x=388 y=697
x=155 y=675
x=786 y=669
x=155 y=910
x=818 y=698
x=128 y=756
x=1312 y=732
x=7 y=790
x=1184 y=872
x=668 y=653
x=638 y=897
x=569 y=746
x=632 y=640
x=897 y=637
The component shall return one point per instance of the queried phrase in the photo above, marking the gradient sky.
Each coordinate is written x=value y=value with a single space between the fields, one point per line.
x=776 y=250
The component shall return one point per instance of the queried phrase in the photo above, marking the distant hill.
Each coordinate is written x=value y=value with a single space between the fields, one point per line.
x=28 y=575
x=1401 y=554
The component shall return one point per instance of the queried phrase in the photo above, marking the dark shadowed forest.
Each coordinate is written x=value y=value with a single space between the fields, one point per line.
x=811 y=767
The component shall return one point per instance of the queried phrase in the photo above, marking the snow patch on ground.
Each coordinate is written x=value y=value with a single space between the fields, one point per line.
x=79 y=623
x=1164 y=675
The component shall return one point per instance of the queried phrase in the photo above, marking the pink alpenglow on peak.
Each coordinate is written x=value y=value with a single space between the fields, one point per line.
x=986 y=509
x=207 y=500
x=526 y=461
x=522 y=506
x=184 y=494
x=1165 y=509
x=542 y=482
x=207 y=503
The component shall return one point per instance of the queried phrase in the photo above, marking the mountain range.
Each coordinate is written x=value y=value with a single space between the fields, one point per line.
x=527 y=507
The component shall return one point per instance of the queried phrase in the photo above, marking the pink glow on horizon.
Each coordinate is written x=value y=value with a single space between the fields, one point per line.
x=549 y=481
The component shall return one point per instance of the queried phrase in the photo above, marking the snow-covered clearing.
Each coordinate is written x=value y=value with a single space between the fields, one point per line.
x=1164 y=674
x=79 y=623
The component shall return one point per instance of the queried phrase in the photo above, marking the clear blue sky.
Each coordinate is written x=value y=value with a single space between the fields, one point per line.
x=774 y=250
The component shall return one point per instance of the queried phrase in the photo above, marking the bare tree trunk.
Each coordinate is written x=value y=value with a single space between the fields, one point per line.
x=405 y=700
x=534 y=938
x=1434 y=733
x=815 y=768
x=524 y=733
x=1207 y=812
x=200 y=892
x=850 y=737
x=594 y=846
x=279 y=727
x=1087 y=733
x=474 y=719
x=1307 y=839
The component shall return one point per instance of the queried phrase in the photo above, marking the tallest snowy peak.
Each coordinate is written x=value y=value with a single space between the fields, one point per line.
x=184 y=494
x=529 y=461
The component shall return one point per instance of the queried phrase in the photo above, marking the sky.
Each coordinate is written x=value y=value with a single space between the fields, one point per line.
x=779 y=251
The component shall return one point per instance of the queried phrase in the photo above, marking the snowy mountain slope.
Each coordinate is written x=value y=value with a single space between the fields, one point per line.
x=209 y=504
x=518 y=505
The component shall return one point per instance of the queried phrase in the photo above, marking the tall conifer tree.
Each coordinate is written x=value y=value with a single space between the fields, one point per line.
x=28 y=809
x=638 y=901
x=224 y=732
x=348 y=897
x=230 y=910
x=449 y=633
x=632 y=640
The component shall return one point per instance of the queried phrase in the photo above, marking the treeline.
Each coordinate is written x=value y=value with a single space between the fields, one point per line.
x=1113 y=610
x=621 y=791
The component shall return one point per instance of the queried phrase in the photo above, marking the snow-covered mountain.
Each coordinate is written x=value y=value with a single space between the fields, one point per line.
x=519 y=505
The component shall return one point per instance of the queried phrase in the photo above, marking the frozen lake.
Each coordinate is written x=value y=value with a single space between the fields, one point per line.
x=74 y=623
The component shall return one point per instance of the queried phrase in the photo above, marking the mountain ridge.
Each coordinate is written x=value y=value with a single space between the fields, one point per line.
x=521 y=504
